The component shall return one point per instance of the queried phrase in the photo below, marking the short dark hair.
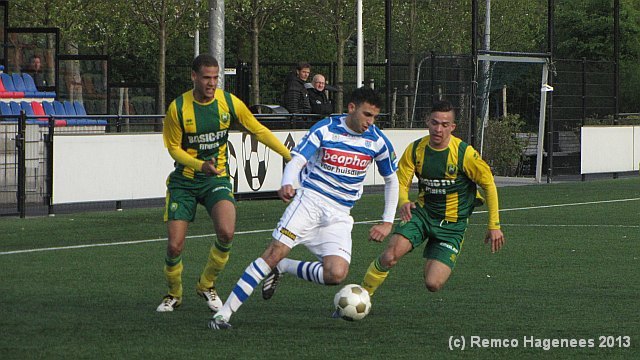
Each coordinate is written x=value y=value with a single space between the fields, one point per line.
x=442 y=106
x=366 y=94
x=203 y=60
x=303 y=65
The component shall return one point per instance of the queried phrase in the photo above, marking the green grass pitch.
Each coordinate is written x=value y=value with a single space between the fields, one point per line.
x=569 y=270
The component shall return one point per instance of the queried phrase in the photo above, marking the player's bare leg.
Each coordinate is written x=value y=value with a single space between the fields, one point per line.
x=436 y=275
x=335 y=268
x=379 y=268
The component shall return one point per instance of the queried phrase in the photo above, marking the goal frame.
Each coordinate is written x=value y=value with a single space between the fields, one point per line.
x=545 y=60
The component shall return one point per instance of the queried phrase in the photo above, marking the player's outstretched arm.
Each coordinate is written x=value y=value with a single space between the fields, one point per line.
x=497 y=239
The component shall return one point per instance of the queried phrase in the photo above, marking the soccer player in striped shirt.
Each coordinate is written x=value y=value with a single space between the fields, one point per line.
x=448 y=172
x=330 y=164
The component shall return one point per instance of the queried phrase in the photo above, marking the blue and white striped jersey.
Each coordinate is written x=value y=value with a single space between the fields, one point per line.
x=338 y=159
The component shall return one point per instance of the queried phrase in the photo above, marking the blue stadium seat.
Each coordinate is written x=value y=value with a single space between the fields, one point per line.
x=30 y=86
x=5 y=109
x=18 y=82
x=6 y=94
x=80 y=110
x=7 y=81
x=58 y=108
x=26 y=106
x=48 y=108
x=28 y=110
x=69 y=109
x=15 y=108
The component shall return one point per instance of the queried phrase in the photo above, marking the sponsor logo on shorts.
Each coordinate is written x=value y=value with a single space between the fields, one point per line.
x=453 y=258
x=286 y=232
x=220 y=188
x=173 y=207
x=345 y=251
x=449 y=246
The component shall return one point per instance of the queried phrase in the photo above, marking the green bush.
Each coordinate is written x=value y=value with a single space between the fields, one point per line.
x=502 y=148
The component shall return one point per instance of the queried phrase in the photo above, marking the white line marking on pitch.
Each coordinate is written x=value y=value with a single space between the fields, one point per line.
x=356 y=223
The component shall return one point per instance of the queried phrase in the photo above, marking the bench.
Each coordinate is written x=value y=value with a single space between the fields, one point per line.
x=567 y=144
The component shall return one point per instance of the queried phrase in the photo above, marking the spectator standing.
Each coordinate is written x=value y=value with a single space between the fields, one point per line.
x=318 y=99
x=296 y=97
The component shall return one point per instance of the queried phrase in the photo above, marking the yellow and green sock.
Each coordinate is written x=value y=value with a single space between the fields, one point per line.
x=375 y=276
x=218 y=257
x=173 y=274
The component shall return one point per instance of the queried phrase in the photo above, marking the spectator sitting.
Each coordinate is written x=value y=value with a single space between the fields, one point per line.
x=35 y=70
x=320 y=103
x=296 y=98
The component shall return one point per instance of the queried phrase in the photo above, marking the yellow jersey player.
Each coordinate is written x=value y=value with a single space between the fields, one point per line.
x=448 y=172
x=196 y=131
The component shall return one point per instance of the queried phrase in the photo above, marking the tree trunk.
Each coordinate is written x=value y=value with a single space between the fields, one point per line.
x=340 y=77
x=340 y=43
x=73 y=79
x=255 y=56
x=160 y=106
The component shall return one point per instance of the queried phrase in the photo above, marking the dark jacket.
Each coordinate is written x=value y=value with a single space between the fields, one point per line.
x=320 y=103
x=296 y=98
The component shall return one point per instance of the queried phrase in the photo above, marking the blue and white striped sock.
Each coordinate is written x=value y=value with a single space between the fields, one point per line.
x=252 y=276
x=308 y=270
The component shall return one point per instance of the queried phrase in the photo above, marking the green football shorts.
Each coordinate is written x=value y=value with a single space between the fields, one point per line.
x=444 y=239
x=184 y=195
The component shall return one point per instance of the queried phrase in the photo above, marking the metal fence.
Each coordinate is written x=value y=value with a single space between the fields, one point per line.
x=26 y=156
x=583 y=94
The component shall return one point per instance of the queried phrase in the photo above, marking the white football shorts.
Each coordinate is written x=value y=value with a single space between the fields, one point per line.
x=318 y=223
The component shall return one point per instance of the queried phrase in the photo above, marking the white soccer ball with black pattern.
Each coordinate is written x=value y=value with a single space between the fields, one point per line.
x=352 y=302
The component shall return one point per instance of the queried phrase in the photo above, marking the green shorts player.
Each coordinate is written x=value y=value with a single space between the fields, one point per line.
x=196 y=130
x=449 y=171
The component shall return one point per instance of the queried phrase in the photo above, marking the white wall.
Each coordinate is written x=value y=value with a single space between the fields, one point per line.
x=607 y=149
x=135 y=166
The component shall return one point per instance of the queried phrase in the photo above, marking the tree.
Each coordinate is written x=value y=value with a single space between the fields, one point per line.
x=340 y=16
x=163 y=18
x=253 y=15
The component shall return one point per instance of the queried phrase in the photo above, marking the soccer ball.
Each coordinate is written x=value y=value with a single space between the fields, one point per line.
x=352 y=302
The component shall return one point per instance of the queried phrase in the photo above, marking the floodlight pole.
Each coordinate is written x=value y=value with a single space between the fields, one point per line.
x=474 y=81
x=196 y=35
x=387 y=46
x=216 y=35
x=486 y=75
x=360 y=50
x=616 y=57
